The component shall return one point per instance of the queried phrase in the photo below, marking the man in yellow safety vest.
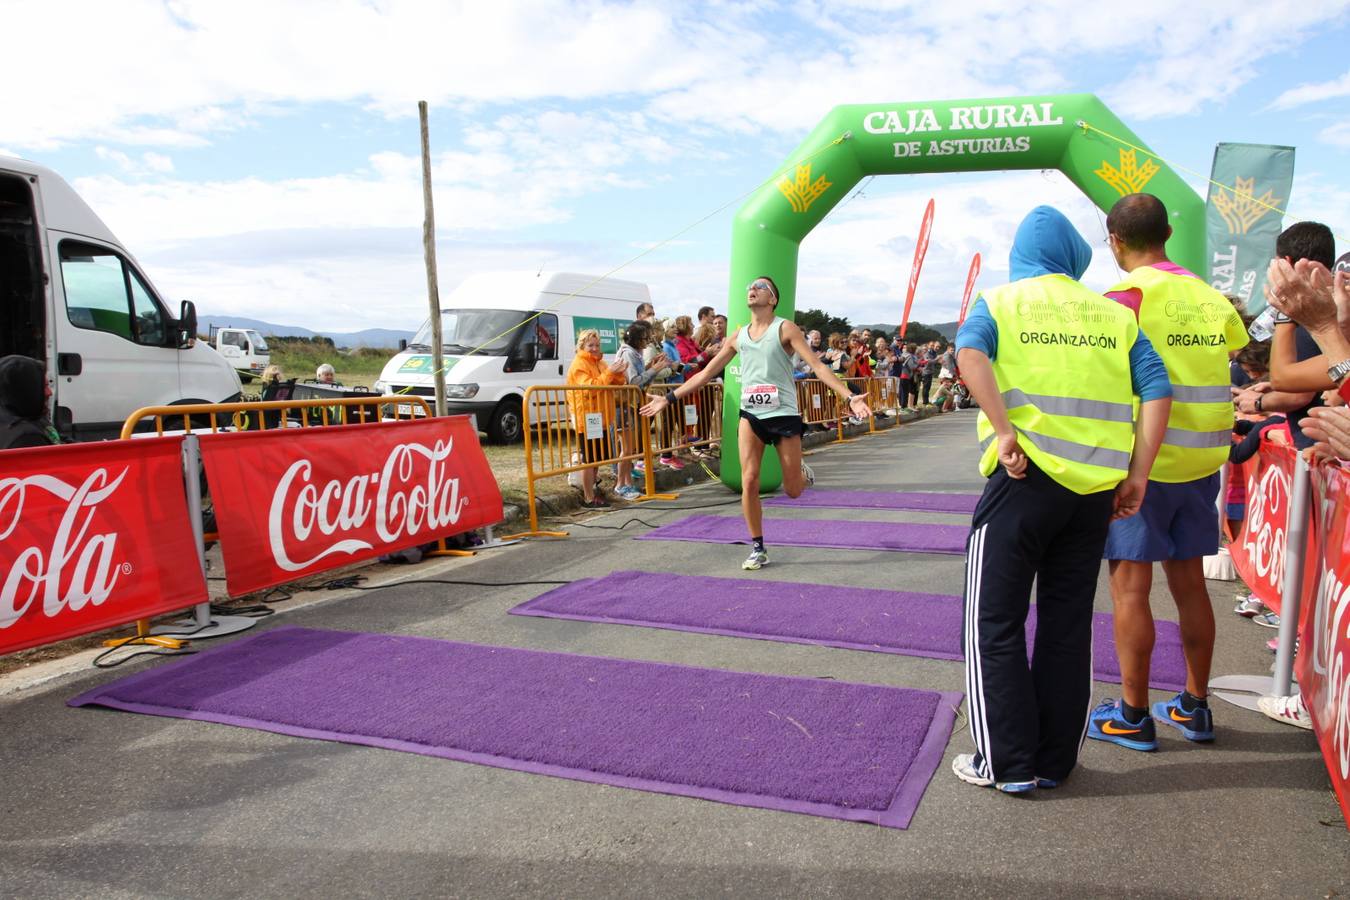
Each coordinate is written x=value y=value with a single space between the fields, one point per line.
x=1055 y=369
x=1194 y=328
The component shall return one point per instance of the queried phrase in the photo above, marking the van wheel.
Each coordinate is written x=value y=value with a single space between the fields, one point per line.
x=506 y=424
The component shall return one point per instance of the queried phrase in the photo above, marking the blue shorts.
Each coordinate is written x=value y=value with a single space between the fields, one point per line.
x=1176 y=521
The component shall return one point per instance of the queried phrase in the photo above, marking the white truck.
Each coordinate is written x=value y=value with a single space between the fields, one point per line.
x=72 y=296
x=244 y=348
x=481 y=315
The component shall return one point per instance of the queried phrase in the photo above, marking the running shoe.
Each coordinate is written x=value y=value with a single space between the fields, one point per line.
x=808 y=475
x=1289 y=710
x=1273 y=645
x=1248 y=607
x=672 y=462
x=1196 y=725
x=963 y=767
x=628 y=492
x=598 y=503
x=1108 y=723
x=757 y=559
x=1267 y=619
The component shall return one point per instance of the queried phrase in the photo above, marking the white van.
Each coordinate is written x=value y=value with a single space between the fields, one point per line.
x=71 y=295
x=483 y=312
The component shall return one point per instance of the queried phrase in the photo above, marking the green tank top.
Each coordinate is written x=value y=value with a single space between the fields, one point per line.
x=767 y=387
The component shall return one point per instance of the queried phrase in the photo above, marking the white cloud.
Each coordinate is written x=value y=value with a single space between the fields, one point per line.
x=1337 y=135
x=1313 y=93
x=1203 y=53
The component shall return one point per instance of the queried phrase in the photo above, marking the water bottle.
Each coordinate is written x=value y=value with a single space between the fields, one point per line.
x=1263 y=327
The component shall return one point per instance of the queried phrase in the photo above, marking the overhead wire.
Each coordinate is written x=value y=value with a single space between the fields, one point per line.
x=1245 y=195
x=778 y=173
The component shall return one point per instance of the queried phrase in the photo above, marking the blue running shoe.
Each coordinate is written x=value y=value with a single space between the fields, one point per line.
x=1196 y=725
x=1107 y=723
x=1046 y=784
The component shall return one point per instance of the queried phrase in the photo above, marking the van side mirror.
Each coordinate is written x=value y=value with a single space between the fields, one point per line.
x=402 y=344
x=187 y=325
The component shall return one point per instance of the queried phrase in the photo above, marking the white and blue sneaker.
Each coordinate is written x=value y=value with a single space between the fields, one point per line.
x=757 y=559
x=628 y=492
x=963 y=767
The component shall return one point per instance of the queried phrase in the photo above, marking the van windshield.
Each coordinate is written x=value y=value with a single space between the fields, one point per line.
x=489 y=331
x=259 y=345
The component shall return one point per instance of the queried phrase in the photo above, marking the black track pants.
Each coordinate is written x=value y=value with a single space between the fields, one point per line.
x=1029 y=721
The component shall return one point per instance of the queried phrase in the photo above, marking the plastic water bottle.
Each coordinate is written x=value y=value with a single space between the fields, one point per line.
x=1263 y=327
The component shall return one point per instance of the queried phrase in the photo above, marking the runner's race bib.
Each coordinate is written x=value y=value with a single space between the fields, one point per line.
x=760 y=397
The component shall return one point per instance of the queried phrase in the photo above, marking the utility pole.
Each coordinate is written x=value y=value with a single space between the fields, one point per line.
x=429 y=253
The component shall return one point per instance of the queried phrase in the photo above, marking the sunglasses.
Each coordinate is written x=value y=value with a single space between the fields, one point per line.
x=762 y=286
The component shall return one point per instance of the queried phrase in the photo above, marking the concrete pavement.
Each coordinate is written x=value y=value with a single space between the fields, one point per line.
x=99 y=803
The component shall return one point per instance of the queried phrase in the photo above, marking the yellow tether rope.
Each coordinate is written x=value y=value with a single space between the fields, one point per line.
x=772 y=178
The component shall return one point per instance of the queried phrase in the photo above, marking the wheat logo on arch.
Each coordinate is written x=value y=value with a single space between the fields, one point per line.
x=1131 y=177
x=801 y=192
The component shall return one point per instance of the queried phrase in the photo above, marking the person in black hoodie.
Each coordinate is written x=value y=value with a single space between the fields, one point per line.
x=23 y=402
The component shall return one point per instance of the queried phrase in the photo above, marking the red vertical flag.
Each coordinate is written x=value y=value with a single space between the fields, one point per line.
x=970 y=285
x=920 y=250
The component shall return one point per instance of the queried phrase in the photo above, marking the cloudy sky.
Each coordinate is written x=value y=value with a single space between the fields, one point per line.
x=262 y=158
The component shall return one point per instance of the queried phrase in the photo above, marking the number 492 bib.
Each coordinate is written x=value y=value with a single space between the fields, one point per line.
x=759 y=397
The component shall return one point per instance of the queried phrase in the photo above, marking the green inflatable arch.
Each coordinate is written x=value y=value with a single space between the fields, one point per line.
x=1074 y=133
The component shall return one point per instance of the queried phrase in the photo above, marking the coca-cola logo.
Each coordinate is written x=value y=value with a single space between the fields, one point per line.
x=1330 y=628
x=1264 y=537
x=410 y=495
x=79 y=567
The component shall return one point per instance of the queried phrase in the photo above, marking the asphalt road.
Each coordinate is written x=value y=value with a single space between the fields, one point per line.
x=108 y=804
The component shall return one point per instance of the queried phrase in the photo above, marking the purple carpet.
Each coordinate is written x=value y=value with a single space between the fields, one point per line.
x=853 y=618
x=847 y=751
x=919 y=501
x=842 y=535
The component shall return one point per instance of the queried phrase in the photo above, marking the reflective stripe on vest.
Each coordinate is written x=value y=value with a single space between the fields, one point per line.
x=1070 y=406
x=1199 y=440
x=1188 y=323
x=1219 y=393
x=1063 y=369
x=1083 y=453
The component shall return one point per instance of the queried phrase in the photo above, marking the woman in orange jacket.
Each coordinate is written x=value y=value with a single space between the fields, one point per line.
x=588 y=368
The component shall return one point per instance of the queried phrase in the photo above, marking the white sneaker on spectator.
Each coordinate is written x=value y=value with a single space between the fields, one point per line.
x=1267 y=619
x=1289 y=710
x=808 y=475
x=1249 y=607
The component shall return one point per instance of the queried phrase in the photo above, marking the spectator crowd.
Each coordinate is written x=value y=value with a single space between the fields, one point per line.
x=655 y=352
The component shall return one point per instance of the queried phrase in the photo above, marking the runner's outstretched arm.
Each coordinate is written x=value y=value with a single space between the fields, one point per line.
x=797 y=341
x=656 y=403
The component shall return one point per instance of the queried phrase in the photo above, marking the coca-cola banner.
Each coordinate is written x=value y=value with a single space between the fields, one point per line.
x=1258 y=549
x=92 y=536
x=292 y=502
x=1324 y=643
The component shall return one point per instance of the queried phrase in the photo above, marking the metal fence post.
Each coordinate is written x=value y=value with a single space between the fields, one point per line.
x=1245 y=690
x=202 y=624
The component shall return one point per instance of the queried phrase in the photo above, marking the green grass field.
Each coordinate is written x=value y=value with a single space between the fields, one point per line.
x=299 y=358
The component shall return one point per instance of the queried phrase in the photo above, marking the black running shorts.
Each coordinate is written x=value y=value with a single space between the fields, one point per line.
x=771 y=429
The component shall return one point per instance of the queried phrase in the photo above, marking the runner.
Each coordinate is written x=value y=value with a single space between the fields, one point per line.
x=768 y=402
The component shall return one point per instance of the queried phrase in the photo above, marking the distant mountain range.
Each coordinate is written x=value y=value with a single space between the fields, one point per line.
x=371 y=337
x=946 y=329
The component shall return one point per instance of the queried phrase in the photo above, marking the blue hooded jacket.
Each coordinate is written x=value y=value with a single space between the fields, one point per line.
x=1046 y=243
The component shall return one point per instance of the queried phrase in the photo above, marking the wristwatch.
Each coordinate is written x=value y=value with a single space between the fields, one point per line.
x=1338 y=372
x=1258 y=403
